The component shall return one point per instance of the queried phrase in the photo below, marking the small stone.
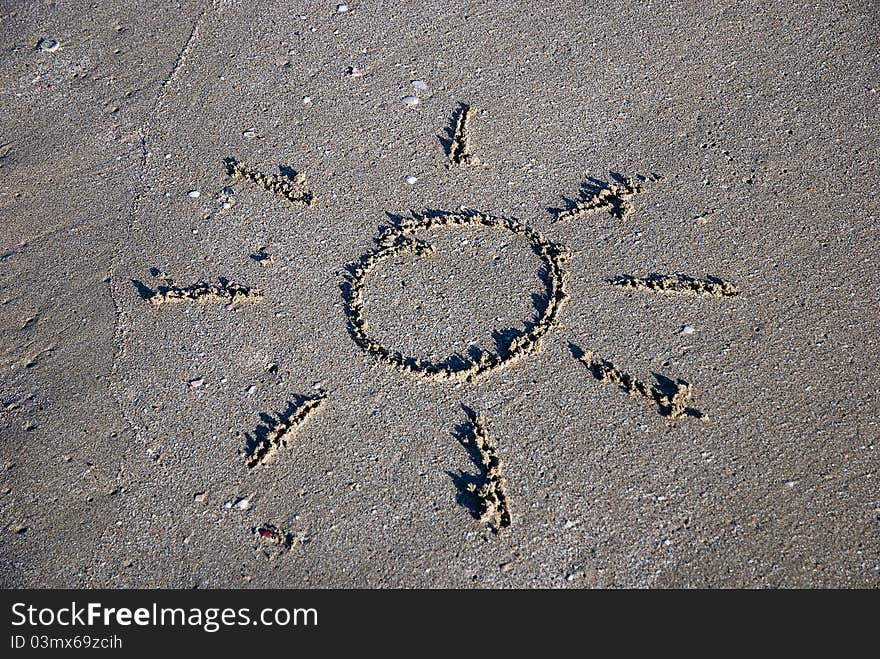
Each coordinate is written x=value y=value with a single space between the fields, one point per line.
x=688 y=329
x=353 y=72
x=419 y=84
x=249 y=134
x=201 y=497
x=194 y=194
x=243 y=504
x=341 y=8
x=410 y=180
x=196 y=383
x=411 y=101
x=506 y=567
x=251 y=389
x=49 y=45
x=20 y=527
x=307 y=100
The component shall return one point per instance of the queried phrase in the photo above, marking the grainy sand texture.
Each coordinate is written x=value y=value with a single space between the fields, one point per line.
x=439 y=294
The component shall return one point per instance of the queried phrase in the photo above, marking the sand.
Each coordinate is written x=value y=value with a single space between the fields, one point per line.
x=127 y=427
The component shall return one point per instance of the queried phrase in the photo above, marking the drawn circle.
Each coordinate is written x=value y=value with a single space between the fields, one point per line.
x=401 y=238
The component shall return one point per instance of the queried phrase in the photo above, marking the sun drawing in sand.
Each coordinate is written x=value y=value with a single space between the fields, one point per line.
x=410 y=237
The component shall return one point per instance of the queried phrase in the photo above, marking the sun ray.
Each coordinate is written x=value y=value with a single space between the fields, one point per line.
x=460 y=146
x=677 y=283
x=289 y=184
x=672 y=397
x=226 y=292
x=267 y=441
x=614 y=197
x=488 y=490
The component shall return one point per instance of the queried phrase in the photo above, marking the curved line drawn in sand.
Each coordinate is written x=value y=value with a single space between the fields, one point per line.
x=614 y=196
x=226 y=292
x=270 y=438
x=289 y=184
x=484 y=494
x=678 y=283
x=671 y=396
x=399 y=239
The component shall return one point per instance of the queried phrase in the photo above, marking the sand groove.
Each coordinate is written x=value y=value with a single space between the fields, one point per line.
x=399 y=239
x=460 y=147
x=672 y=397
x=288 y=184
x=613 y=196
x=268 y=441
x=678 y=283
x=225 y=292
x=489 y=488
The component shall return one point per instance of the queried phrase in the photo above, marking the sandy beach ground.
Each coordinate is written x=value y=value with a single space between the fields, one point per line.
x=126 y=426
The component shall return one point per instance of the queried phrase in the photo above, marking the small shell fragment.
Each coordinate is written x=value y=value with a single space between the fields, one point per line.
x=48 y=45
